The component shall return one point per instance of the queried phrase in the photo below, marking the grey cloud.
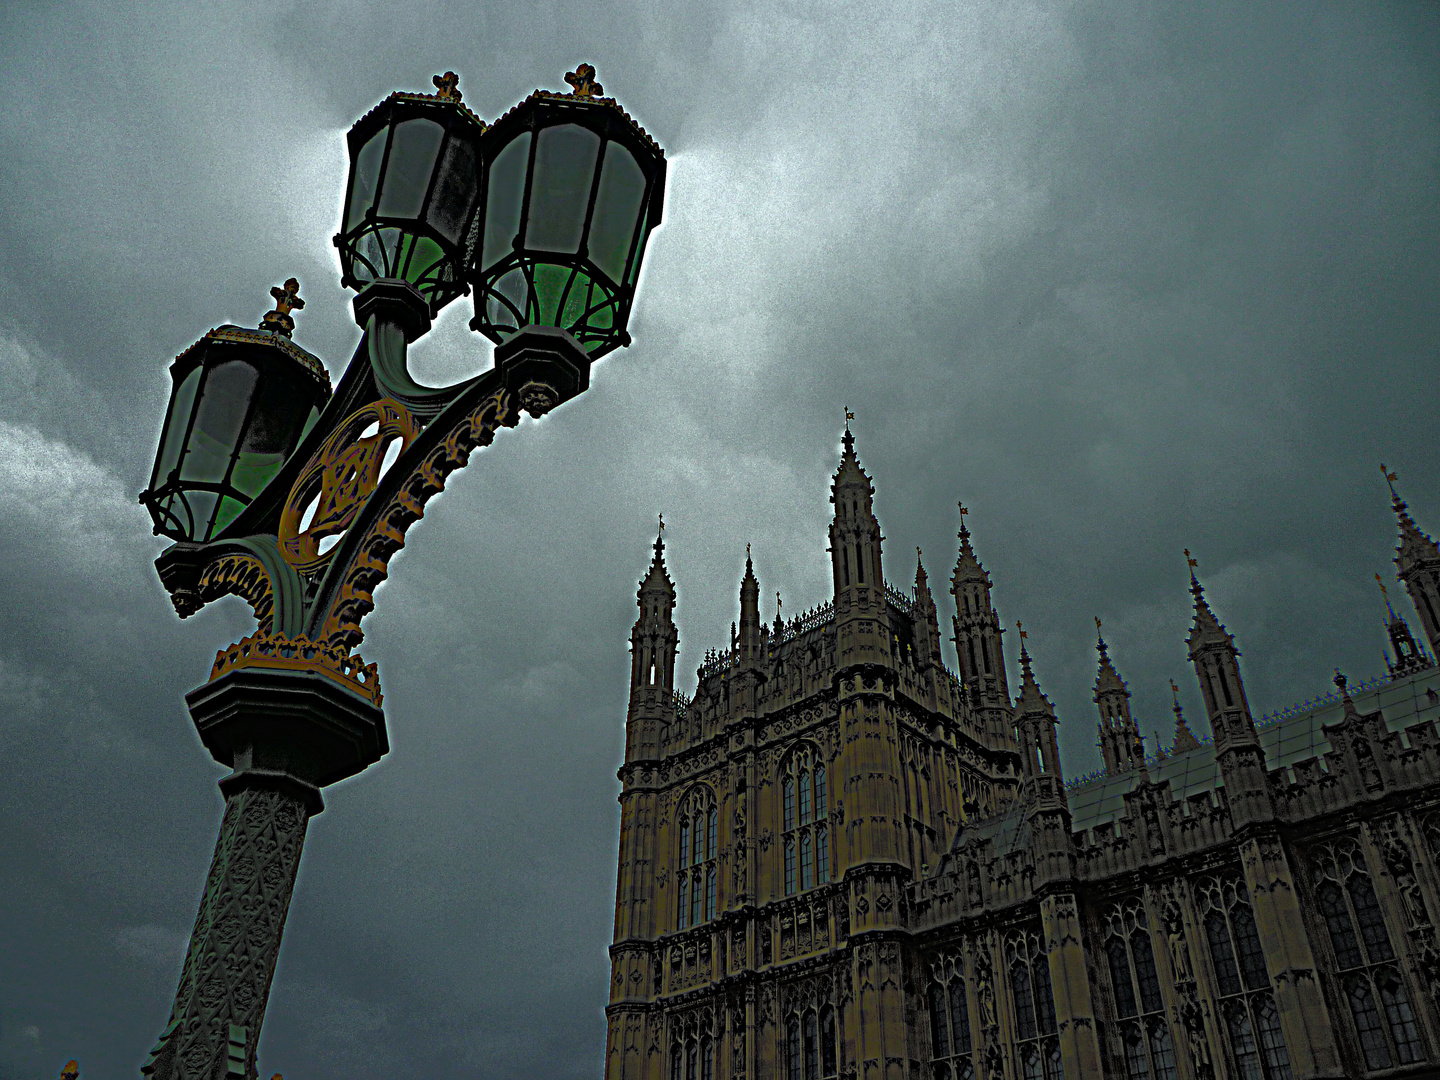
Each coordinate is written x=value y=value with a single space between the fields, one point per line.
x=1125 y=278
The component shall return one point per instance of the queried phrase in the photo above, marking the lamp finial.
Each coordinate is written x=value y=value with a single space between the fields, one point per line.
x=447 y=86
x=287 y=299
x=582 y=82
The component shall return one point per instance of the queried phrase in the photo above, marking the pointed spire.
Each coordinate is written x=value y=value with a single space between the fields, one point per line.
x=658 y=577
x=1206 y=627
x=1184 y=738
x=1107 y=680
x=922 y=583
x=1031 y=699
x=749 y=611
x=1416 y=548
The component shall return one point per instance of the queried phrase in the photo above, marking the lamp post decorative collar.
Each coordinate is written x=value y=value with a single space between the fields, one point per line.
x=295 y=497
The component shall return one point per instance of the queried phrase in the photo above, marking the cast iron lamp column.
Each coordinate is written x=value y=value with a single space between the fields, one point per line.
x=295 y=498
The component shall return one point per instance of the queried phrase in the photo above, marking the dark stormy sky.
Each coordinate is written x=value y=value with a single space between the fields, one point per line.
x=1126 y=278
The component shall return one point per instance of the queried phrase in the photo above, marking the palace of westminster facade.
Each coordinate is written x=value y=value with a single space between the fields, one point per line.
x=841 y=860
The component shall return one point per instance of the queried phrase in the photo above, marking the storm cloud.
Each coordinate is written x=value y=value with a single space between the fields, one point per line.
x=1125 y=278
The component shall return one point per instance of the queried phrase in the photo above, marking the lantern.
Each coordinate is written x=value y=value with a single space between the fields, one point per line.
x=573 y=187
x=410 y=202
x=241 y=402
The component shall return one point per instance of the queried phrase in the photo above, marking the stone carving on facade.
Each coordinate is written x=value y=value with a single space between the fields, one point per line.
x=985 y=989
x=1175 y=944
x=1192 y=1021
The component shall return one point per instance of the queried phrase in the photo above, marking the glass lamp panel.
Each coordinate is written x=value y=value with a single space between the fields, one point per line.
x=217 y=429
x=420 y=260
x=455 y=188
x=413 y=149
x=367 y=171
x=504 y=200
x=174 y=439
x=560 y=190
x=617 y=211
x=275 y=425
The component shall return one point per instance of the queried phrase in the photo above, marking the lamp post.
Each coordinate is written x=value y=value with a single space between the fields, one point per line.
x=295 y=497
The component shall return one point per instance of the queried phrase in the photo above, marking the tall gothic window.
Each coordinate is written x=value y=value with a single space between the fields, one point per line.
x=696 y=872
x=1037 y=1047
x=950 y=1042
x=1147 y=1048
x=810 y=1052
x=804 y=817
x=1246 y=1005
x=1369 y=977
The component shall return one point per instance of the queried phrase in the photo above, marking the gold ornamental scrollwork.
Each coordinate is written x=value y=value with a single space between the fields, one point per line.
x=370 y=564
x=276 y=651
x=243 y=576
x=343 y=474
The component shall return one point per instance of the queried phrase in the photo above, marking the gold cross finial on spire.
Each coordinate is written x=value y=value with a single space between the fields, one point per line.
x=70 y=1071
x=1021 y=627
x=582 y=82
x=1191 y=562
x=747 y=551
x=1389 y=476
x=447 y=86
x=848 y=415
x=287 y=299
x=1381 y=582
x=1097 y=622
x=662 y=522
x=963 y=509
x=777 y=603
x=1173 y=688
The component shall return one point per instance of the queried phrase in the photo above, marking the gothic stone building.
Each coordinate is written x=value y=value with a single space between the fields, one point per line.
x=840 y=859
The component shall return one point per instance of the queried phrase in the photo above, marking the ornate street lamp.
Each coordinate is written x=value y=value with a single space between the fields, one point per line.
x=573 y=188
x=295 y=499
x=241 y=401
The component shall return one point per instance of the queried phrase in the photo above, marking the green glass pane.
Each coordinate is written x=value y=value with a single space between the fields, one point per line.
x=422 y=254
x=224 y=402
x=407 y=175
x=513 y=287
x=229 y=508
x=455 y=188
x=503 y=202
x=174 y=440
x=201 y=504
x=617 y=211
x=560 y=192
x=550 y=281
x=367 y=171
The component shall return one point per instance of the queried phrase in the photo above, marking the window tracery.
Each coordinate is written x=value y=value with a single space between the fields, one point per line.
x=951 y=1044
x=696 y=873
x=1148 y=1050
x=810 y=1044
x=804 y=811
x=1365 y=961
x=1251 y=1020
x=1037 y=1047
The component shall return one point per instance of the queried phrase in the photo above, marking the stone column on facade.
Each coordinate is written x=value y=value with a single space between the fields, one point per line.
x=1175 y=968
x=1197 y=1021
x=1070 y=985
x=1304 y=1018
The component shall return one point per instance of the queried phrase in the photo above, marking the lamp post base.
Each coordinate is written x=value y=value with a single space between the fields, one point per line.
x=286 y=733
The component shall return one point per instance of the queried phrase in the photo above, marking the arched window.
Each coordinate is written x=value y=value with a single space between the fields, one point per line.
x=1256 y=1042
x=1148 y=1051
x=1035 y=1026
x=803 y=815
x=677 y=1062
x=707 y=1059
x=697 y=874
x=1374 y=991
x=949 y=1023
x=810 y=1051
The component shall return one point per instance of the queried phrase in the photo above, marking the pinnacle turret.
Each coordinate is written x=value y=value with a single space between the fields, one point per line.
x=1184 y=738
x=1417 y=564
x=1120 y=743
